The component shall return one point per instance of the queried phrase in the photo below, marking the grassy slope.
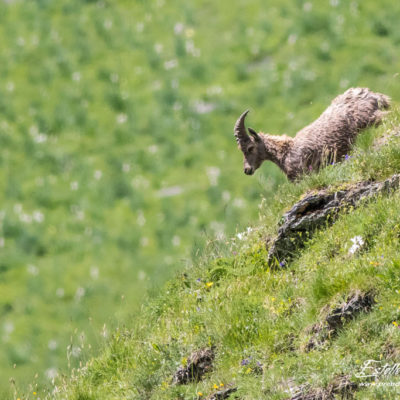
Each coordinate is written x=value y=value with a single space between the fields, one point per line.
x=233 y=301
x=86 y=89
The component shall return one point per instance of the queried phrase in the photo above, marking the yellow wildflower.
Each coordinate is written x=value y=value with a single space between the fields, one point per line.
x=209 y=284
x=215 y=386
x=395 y=323
x=189 y=32
x=199 y=394
x=221 y=385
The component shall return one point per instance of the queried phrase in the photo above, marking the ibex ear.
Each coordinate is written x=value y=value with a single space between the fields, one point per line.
x=254 y=134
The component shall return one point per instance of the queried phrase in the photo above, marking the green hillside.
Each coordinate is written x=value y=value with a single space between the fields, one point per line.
x=265 y=323
x=118 y=165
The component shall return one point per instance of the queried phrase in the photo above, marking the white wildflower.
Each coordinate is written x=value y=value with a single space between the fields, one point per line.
x=126 y=167
x=140 y=182
x=32 y=269
x=243 y=235
x=94 y=273
x=218 y=228
x=51 y=373
x=52 y=345
x=76 y=351
x=170 y=191
x=176 y=241
x=202 y=107
x=226 y=196
x=213 y=174
x=8 y=327
x=80 y=292
x=153 y=149
x=98 y=174
x=122 y=118
x=158 y=47
x=170 y=64
x=239 y=202
x=38 y=216
x=141 y=220
x=26 y=218
x=177 y=106
x=214 y=90
x=76 y=76
x=358 y=242
x=178 y=28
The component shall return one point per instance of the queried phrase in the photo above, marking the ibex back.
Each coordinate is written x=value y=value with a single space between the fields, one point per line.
x=327 y=139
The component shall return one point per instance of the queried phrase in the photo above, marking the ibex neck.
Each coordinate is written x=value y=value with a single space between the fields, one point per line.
x=277 y=148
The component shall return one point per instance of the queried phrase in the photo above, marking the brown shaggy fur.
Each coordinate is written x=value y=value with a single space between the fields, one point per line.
x=327 y=139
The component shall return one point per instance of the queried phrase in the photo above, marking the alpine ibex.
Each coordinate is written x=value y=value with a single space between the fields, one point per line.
x=327 y=139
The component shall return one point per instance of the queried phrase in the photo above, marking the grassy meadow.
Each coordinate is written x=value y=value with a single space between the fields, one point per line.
x=118 y=169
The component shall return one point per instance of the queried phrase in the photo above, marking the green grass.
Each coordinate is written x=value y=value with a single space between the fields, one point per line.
x=232 y=300
x=118 y=165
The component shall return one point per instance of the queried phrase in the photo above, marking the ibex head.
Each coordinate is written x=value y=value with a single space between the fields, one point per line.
x=252 y=147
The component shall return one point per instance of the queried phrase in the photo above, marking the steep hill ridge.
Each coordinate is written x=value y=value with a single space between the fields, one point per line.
x=306 y=331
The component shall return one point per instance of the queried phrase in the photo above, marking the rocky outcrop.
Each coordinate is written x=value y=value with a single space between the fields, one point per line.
x=318 y=209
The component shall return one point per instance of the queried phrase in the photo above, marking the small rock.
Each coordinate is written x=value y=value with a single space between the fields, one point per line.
x=198 y=363
x=222 y=394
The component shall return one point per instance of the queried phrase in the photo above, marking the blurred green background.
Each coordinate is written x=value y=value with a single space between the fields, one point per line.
x=117 y=158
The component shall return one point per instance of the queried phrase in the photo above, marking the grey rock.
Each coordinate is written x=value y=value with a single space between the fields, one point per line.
x=318 y=209
x=222 y=394
x=198 y=363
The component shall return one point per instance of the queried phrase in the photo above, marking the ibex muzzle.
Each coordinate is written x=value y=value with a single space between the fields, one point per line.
x=252 y=147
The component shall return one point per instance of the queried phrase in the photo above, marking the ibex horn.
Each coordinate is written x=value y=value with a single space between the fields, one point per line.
x=240 y=130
